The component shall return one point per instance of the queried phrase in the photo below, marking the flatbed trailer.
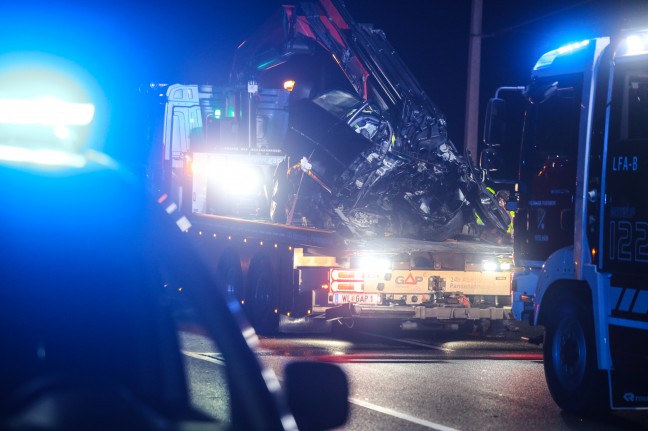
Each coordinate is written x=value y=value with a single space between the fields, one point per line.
x=296 y=275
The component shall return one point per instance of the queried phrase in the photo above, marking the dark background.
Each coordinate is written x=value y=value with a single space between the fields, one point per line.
x=128 y=44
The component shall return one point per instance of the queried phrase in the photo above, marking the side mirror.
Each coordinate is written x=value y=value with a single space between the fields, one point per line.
x=495 y=123
x=318 y=394
x=491 y=160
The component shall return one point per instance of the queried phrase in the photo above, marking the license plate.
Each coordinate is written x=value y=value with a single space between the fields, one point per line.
x=356 y=298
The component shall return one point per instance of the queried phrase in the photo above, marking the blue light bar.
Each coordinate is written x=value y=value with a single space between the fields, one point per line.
x=41 y=156
x=548 y=58
x=45 y=112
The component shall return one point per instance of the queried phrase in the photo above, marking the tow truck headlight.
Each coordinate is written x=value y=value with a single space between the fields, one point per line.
x=372 y=264
x=505 y=266
x=489 y=266
x=235 y=179
x=496 y=265
x=230 y=177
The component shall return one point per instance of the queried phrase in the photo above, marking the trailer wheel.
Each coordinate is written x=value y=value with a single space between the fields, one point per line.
x=230 y=276
x=570 y=365
x=260 y=297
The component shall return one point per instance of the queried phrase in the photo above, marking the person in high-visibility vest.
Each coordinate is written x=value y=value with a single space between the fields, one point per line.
x=502 y=198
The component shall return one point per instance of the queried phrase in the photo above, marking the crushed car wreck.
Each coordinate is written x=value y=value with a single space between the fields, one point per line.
x=364 y=130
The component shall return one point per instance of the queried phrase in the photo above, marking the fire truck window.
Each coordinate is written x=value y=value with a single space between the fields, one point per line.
x=636 y=115
x=551 y=124
x=555 y=123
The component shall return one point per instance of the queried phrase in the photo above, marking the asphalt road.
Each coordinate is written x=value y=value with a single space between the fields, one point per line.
x=438 y=380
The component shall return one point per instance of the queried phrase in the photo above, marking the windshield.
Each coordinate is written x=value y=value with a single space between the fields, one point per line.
x=630 y=103
x=339 y=103
x=551 y=122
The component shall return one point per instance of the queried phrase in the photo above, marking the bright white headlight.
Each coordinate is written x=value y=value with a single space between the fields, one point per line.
x=489 y=265
x=235 y=179
x=634 y=44
x=505 y=266
x=374 y=264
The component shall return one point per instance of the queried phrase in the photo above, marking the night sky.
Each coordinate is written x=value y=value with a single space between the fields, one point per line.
x=125 y=44
x=430 y=35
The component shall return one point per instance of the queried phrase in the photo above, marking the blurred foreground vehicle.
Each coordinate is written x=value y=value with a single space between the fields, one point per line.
x=106 y=313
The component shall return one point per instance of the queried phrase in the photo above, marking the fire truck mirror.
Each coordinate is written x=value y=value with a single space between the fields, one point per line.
x=495 y=123
x=490 y=160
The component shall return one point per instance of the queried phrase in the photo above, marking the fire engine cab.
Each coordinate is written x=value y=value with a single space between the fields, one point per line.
x=581 y=217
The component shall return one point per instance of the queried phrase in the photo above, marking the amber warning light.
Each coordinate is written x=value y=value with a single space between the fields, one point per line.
x=346 y=280
x=289 y=85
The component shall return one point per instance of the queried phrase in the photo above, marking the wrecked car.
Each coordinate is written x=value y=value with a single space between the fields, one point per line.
x=368 y=150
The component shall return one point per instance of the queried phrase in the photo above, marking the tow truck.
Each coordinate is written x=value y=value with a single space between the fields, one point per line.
x=580 y=223
x=340 y=202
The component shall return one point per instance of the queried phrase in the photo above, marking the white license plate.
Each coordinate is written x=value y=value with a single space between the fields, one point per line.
x=356 y=298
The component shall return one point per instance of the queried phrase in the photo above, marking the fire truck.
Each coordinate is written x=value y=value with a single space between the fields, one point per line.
x=320 y=185
x=581 y=218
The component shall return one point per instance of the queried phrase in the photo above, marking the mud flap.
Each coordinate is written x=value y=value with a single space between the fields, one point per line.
x=628 y=380
x=629 y=389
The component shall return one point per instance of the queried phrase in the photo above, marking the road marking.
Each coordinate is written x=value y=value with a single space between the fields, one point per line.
x=209 y=357
x=400 y=415
x=214 y=358
x=413 y=343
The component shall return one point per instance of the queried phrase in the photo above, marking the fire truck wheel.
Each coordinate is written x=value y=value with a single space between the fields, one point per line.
x=575 y=383
x=260 y=298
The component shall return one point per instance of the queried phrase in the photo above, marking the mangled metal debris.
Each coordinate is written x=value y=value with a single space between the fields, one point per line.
x=367 y=134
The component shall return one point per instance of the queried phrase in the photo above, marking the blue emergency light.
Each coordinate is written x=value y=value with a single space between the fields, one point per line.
x=548 y=58
x=45 y=112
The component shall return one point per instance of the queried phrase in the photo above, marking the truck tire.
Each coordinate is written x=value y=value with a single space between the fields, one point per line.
x=570 y=364
x=230 y=276
x=260 y=297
